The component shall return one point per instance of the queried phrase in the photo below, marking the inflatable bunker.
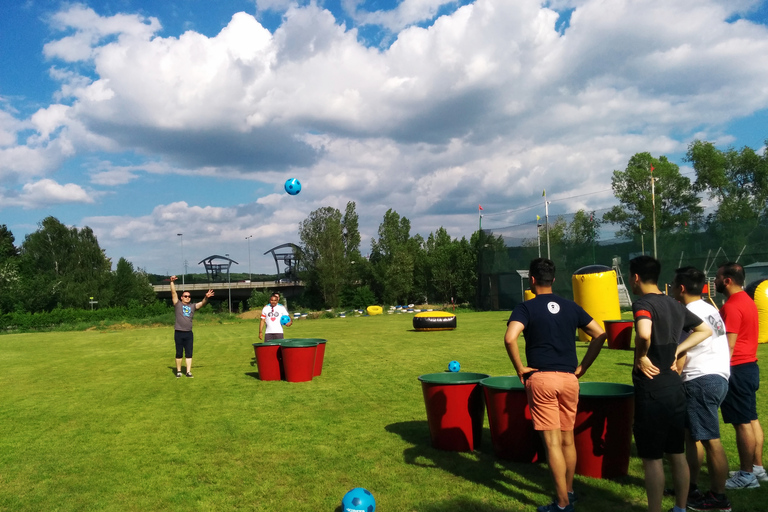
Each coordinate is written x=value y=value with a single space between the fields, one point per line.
x=374 y=310
x=434 y=321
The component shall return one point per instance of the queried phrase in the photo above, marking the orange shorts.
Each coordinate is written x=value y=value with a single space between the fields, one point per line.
x=553 y=397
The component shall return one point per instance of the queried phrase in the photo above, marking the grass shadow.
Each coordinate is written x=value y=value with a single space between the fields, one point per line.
x=255 y=375
x=517 y=481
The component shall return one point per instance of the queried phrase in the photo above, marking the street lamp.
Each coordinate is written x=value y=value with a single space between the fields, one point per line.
x=183 y=261
x=229 y=284
x=248 y=238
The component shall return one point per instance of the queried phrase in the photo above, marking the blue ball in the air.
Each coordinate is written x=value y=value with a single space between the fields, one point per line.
x=293 y=186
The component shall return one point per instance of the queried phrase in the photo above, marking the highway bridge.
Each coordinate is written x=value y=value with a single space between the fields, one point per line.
x=240 y=290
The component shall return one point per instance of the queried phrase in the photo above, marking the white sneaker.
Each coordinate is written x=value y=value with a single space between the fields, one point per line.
x=760 y=474
x=742 y=480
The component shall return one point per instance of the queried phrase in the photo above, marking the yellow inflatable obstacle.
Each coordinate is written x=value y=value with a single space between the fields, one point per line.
x=758 y=290
x=595 y=289
x=434 y=321
x=374 y=310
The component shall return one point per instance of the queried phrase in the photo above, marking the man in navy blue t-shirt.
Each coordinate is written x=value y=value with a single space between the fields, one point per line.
x=549 y=325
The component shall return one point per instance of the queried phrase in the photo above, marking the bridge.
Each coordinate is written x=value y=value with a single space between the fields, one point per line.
x=241 y=290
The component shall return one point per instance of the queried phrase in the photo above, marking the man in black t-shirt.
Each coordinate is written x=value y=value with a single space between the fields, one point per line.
x=550 y=375
x=660 y=403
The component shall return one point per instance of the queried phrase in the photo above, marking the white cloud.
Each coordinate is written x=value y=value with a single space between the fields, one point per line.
x=45 y=193
x=489 y=104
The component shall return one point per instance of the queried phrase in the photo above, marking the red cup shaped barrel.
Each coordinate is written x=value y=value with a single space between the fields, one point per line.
x=603 y=430
x=509 y=420
x=299 y=359
x=619 y=334
x=268 y=360
x=455 y=409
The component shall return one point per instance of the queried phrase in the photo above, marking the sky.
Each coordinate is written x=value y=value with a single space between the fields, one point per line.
x=145 y=119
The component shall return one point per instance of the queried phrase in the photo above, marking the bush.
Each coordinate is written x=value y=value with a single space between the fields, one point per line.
x=259 y=299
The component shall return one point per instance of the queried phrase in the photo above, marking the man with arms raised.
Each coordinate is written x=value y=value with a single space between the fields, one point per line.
x=660 y=404
x=182 y=335
x=551 y=372
x=705 y=371
x=740 y=405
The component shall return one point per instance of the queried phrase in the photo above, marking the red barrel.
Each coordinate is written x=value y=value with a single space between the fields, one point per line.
x=619 y=333
x=319 y=357
x=509 y=419
x=268 y=360
x=299 y=359
x=455 y=409
x=603 y=430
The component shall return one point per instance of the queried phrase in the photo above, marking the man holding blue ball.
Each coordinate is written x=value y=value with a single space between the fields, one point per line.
x=271 y=317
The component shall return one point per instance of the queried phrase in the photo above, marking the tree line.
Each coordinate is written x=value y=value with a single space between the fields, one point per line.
x=64 y=267
x=402 y=268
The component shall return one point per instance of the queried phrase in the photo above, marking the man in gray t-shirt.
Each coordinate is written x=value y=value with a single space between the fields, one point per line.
x=182 y=336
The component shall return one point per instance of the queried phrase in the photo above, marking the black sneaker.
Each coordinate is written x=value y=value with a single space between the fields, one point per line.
x=711 y=502
x=572 y=497
x=178 y=375
x=190 y=375
x=694 y=496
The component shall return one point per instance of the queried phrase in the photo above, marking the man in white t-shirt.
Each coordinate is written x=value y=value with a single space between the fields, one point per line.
x=270 y=317
x=704 y=369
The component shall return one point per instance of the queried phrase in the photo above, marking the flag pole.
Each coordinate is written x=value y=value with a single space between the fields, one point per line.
x=546 y=219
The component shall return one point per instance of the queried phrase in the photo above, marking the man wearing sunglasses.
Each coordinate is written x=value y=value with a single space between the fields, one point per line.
x=182 y=335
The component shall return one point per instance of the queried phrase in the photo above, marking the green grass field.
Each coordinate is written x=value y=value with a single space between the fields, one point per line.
x=97 y=420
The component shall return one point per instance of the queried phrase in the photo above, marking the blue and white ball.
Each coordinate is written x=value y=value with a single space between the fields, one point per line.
x=358 y=500
x=454 y=366
x=285 y=320
x=293 y=186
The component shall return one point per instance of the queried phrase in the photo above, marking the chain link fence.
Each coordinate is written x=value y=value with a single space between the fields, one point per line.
x=503 y=273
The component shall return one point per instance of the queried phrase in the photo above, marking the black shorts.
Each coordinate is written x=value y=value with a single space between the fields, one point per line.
x=660 y=421
x=740 y=404
x=183 y=341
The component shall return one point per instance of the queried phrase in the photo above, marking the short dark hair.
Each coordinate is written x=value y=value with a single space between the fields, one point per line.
x=734 y=271
x=277 y=295
x=692 y=278
x=543 y=270
x=646 y=267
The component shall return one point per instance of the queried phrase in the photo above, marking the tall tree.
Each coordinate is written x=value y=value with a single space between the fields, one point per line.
x=130 y=286
x=323 y=260
x=9 y=270
x=677 y=204
x=392 y=258
x=737 y=180
x=351 y=232
x=64 y=266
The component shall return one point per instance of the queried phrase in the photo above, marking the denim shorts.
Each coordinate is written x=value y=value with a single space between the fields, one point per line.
x=740 y=404
x=704 y=395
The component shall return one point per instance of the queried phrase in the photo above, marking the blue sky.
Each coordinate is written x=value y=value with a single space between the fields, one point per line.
x=146 y=119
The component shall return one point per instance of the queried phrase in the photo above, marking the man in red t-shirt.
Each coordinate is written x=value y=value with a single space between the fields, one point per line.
x=740 y=405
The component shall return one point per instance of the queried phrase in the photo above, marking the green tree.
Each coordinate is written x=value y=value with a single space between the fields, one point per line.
x=9 y=270
x=323 y=261
x=392 y=258
x=677 y=204
x=738 y=182
x=131 y=286
x=63 y=266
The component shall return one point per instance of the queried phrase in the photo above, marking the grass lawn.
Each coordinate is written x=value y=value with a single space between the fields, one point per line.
x=98 y=421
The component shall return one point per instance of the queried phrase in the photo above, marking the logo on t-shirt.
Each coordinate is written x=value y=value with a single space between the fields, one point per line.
x=186 y=310
x=553 y=307
x=717 y=324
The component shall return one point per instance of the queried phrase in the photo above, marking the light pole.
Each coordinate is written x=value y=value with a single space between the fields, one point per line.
x=183 y=261
x=248 y=238
x=229 y=284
